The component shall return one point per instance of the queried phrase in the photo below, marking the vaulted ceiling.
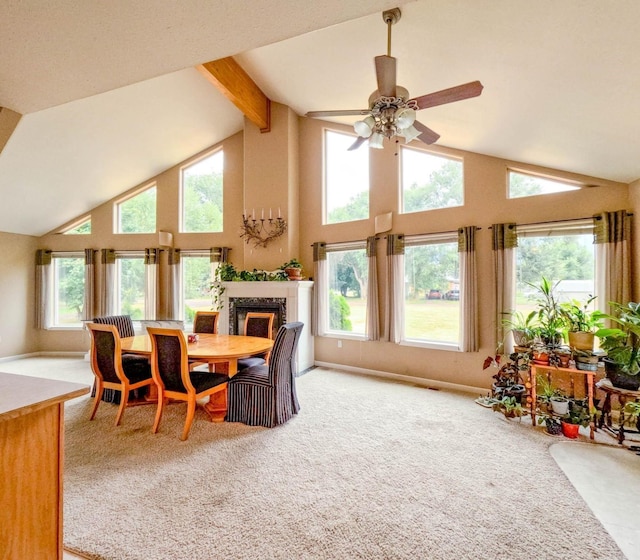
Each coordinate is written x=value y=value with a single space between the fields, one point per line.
x=110 y=96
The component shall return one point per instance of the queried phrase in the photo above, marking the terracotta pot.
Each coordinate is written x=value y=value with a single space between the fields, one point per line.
x=570 y=430
x=541 y=358
x=293 y=273
x=581 y=340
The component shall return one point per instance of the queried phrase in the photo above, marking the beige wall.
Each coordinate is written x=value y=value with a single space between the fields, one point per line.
x=17 y=279
x=266 y=170
x=485 y=203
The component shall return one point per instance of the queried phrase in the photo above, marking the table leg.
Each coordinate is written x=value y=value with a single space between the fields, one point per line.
x=216 y=408
x=532 y=392
x=592 y=424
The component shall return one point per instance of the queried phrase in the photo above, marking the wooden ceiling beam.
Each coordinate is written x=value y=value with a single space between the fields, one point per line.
x=8 y=122
x=237 y=86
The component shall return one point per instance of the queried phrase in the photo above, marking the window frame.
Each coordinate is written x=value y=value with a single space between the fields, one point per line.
x=573 y=186
x=69 y=230
x=54 y=283
x=117 y=214
x=431 y=153
x=326 y=132
x=338 y=248
x=430 y=239
x=187 y=254
x=181 y=204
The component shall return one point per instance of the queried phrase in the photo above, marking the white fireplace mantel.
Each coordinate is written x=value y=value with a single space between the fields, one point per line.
x=298 y=295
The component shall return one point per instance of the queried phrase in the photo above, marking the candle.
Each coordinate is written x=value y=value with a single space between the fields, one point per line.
x=269 y=213
x=244 y=213
x=254 y=213
x=279 y=212
x=262 y=214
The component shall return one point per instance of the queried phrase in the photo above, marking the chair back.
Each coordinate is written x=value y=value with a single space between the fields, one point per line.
x=259 y=324
x=106 y=353
x=169 y=360
x=206 y=322
x=163 y=324
x=123 y=323
x=282 y=363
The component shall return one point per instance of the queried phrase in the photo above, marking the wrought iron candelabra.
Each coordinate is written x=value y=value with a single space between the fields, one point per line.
x=262 y=231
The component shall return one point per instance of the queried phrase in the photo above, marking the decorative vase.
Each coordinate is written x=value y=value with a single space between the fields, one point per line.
x=570 y=430
x=581 y=340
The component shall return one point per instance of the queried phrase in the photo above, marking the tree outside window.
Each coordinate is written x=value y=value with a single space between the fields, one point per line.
x=68 y=290
x=131 y=287
x=138 y=213
x=348 y=277
x=202 y=195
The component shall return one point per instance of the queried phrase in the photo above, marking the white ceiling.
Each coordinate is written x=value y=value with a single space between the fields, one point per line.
x=110 y=97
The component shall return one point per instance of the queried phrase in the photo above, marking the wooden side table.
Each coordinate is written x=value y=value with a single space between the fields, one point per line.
x=623 y=396
x=590 y=378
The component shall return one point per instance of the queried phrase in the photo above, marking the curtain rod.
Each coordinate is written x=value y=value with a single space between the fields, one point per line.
x=344 y=242
x=629 y=214
x=455 y=231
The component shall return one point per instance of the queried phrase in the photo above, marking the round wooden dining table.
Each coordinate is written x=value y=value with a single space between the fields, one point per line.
x=224 y=350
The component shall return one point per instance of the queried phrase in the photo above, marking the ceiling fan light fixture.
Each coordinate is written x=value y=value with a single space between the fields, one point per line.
x=405 y=118
x=364 y=128
x=376 y=141
x=409 y=133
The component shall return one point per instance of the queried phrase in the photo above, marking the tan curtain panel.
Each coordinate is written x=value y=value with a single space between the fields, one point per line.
x=394 y=296
x=320 y=305
x=468 y=288
x=173 y=285
x=42 y=319
x=107 y=288
x=151 y=258
x=612 y=236
x=90 y=281
x=505 y=240
x=372 y=327
x=219 y=254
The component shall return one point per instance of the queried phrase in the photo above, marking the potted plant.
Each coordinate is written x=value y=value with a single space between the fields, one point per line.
x=578 y=415
x=509 y=406
x=581 y=323
x=552 y=424
x=547 y=395
x=224 y=272
x=508 y=379
x=522 y=327
x=622 y=345
x=293 y=269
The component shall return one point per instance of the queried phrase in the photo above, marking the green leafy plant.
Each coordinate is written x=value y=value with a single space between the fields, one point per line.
x=550 y=322
x=293 y=263
x=553 y=424
x=578 y=413
x=622 y=343
x=578 y=317
x=523 y=327
x=509 y=406
x=546 y=392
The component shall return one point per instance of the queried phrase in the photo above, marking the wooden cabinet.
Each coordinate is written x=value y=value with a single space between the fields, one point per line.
x=31 y=461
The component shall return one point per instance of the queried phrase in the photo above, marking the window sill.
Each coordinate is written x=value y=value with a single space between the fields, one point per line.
x=446 y=346
x=345 y=335
x=66 y=328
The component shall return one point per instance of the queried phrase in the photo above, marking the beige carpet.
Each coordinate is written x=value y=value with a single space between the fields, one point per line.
x=368 y=470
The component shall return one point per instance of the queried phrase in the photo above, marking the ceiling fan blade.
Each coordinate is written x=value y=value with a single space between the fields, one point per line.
x=427 y=135
x=386 y=75
x=457 y=93
x=356 y=144
x=344 y=113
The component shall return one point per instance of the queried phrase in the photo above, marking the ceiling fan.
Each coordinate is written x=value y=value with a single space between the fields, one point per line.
x=391 y=112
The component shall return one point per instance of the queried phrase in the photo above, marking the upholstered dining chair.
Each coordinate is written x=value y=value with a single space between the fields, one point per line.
x=170 y=371
x=109 y=369
x=265 y=395
x=124 y=324
x=257 y=324
x=206 y=322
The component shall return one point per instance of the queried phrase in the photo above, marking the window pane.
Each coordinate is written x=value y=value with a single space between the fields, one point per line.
x=138 y=214
x=80 y=229
x=430 y=181
x=131 y=287
x=196 y=286
x=567 y=259
x=432 y=293
x=348 y=276
x=68 y=291
x=346 y=179
x=202 y=194
x=521 y=184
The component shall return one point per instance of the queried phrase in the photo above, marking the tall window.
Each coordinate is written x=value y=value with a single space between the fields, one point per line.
x=68 y=289
x=432 y=289
x=137 y=214
x=525 y=184
x=197 y=275
x=348 y=277
x=563 y=253
x=130 y=286
x=202 y=194
x=346 y=179
x=80 y=228
x=430 y=181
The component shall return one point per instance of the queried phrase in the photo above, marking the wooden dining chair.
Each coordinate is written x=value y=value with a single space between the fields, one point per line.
x=257 y=324
x=109 y=369
x=206 y=322
x=170 y=371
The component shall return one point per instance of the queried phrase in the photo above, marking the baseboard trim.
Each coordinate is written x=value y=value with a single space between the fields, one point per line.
x=43 y=354
x=430 y=383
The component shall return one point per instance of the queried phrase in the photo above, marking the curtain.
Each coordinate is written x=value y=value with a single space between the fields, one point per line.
x=612 y=236
x=468 y=288
x=151 y=280
x=90 y=304
x=43 y=289
x=394 y=297
x=320 y=306
x=219 y=254
x=107 y=296
x=174 y=288
x=372 y=328
x=505 y=241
